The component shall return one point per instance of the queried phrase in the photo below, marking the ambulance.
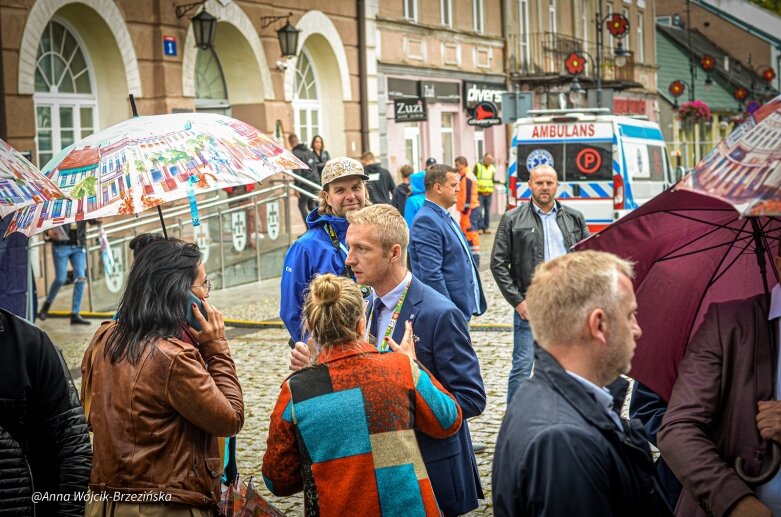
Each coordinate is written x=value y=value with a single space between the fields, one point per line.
x=608 y=165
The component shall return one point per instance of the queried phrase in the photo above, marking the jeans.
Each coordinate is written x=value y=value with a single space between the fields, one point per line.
x=485 y=211
x=523 y=354
x=78 y=259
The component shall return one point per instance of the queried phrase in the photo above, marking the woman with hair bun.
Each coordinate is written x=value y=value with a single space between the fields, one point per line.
x=343 y=429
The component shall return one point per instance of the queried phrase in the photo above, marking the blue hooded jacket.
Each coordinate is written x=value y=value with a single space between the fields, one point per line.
x=416 y=198
x=312 y=253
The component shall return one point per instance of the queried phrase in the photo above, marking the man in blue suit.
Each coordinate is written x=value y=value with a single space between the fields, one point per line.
x=377 y=238
x=439 y=254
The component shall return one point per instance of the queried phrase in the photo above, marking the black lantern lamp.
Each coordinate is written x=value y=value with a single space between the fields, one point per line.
x=287 y=34
x=204 y=24
x=620 y=55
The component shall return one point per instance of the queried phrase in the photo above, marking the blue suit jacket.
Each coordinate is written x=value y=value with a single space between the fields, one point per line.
x=443 y=346
x=439 y=260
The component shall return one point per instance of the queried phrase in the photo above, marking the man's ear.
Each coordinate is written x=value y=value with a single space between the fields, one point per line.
x=395 y=252
x=597 y=325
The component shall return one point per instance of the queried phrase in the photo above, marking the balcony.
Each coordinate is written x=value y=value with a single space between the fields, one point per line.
x=543 y=63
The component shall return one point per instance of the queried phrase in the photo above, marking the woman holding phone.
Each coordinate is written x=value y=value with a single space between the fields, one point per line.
x=153 y=405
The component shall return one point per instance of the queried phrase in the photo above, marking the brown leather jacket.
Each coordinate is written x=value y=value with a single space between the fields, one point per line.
x=155 y=423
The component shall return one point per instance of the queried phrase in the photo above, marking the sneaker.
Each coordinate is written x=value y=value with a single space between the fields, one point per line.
x=479 y=447
x=76 y=319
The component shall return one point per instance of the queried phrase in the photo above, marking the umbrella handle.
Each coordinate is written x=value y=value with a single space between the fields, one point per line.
x=768 y=474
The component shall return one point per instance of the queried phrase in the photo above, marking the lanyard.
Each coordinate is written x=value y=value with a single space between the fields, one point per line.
x=347 y=271
x=383 y=346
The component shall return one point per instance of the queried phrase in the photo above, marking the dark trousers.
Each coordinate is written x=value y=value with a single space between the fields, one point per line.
x=305 y=205
x=485 y=211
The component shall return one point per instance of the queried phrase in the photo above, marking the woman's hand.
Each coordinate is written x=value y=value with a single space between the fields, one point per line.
x=407 y=346
x=211 y=329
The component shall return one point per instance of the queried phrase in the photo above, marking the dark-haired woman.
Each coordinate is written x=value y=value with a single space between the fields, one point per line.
x=343 y=430
x=152 y=404
x=318 y=147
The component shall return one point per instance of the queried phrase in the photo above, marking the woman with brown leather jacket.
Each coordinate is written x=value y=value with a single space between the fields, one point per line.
x=155 y=403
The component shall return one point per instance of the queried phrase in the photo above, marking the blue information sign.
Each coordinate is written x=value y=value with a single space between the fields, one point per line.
x=169 y=45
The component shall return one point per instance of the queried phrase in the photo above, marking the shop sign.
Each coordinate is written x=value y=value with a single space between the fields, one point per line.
x=403 y=88
x=482 y=92
x=410 y=110
x=437 y=91
x=484 y=114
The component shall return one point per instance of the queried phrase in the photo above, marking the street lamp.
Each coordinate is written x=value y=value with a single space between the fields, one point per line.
x=618 y=26
x=287 y=34
x=204 y=24
x=676 y=89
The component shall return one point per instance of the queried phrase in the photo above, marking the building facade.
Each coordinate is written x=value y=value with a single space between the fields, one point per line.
x=69 y=67
x=541 y=34
x=434 y=60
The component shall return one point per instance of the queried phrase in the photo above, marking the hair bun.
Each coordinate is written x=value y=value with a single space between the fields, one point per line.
x=141 y=241
x=326 y=289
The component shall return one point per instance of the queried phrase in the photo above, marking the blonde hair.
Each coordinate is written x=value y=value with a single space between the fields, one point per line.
x=332 y=308
x=391 y=227
x=566 y=289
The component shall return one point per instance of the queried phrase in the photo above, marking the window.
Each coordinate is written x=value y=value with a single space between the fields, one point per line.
x=477 y=15
x=552 y=17
x=586 y=21
x=640 y=43
x=525 y=36
x=306 y=100
x=479 y=143
x=411 y=10
x=211 y=94
x=447 y=138
x=412 y=144
x=447 y=12
x=627 y=39
x=65 y=102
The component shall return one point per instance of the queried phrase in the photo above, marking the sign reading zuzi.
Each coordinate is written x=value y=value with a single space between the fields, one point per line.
x=484 y=114
x=409 y=110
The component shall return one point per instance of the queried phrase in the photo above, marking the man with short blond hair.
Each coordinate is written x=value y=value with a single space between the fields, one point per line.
x=563 y=448
x=377 y=237
x=530 y=234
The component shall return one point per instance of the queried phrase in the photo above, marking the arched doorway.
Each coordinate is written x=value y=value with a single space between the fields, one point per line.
x=65 y=100
x=306 y=100
x=211 y=92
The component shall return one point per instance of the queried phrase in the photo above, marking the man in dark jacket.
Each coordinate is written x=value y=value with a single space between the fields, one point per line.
x=381 y=184
x=528 y=235
x=305 y=203
x=562 y=448
x=44 y=443
x=403 y=189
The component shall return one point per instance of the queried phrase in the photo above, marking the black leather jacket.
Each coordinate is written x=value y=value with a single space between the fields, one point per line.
x=519 y=246
x=44 y=443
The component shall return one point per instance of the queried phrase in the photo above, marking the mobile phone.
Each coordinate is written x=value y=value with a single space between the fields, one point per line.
x=189 y=316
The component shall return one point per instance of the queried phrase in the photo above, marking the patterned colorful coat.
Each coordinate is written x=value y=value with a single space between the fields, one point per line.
x=343 y=431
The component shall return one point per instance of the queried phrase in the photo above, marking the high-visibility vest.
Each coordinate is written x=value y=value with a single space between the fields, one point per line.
x=485 y=177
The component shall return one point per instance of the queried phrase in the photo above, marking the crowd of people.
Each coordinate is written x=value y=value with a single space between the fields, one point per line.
x=377 y=296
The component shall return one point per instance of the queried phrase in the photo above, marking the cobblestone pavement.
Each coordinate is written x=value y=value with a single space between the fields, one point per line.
x=261 y=360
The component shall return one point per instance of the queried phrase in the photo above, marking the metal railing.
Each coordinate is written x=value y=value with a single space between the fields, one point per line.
x=244 y=239
x=548 y=51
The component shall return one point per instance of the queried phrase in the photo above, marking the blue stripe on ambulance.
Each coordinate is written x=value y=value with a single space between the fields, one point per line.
x=646 y=133
x=629 y=198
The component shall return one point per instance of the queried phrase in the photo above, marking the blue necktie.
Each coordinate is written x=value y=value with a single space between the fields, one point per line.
x=375 y=322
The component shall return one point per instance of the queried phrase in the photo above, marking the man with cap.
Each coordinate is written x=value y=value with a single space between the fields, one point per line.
x=322 y=249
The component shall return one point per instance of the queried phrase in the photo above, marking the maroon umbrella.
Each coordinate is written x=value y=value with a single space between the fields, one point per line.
x=690 y=250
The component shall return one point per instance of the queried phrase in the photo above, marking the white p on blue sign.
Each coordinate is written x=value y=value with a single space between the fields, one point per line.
x=169 y=45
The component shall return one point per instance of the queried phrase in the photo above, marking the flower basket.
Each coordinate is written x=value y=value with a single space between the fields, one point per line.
x=693 y=112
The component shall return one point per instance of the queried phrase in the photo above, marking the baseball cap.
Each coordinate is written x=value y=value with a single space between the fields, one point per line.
x=341 y=168
x=430 y=162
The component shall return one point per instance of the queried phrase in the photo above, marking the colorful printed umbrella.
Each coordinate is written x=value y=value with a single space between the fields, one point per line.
x=21 y=183
x=146 y=161
x=745 y=168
